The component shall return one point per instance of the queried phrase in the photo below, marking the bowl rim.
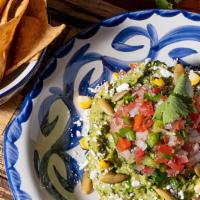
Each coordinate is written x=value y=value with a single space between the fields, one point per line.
x=23 y=80
x=14 y=129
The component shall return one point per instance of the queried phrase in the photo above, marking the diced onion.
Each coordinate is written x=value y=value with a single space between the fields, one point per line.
x=195 y=139
x=141 y=144
x=126 y=154
x=133 y=112
x=142 y=135
x=195 y=159
x=196 y=147
x=168 y=126
x=172 y=140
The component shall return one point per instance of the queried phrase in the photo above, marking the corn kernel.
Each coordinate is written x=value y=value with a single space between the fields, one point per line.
x=85 y=102
x=115 y=76
x=103 y=164
x=84 y=143
x=159 y=82
x=194 y=78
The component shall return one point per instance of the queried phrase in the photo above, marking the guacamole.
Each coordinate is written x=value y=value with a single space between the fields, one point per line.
x=144 y=134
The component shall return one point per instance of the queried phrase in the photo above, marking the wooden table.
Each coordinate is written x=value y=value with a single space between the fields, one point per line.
x=77 y=14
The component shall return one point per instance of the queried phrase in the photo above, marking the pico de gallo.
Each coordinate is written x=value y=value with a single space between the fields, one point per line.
x=144 y=137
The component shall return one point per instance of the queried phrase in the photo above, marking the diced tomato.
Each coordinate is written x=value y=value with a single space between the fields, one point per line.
x=139 y=155
x=146 y=109
x=166 y=139
x=156 y=90
x=123 y=144
x=195 y=117
x=148 y=170
x=160 y=159
x=138 y=123
x=165 y=149
x=172 y=172
x=183 y=159
x=140 y=92
x=176 y=164
x=197 y=103
x=147 y=123
x=188 y=147
x=124 y=110
x=178 y=124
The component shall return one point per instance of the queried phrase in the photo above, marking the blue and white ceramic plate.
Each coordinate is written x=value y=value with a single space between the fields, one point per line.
x=13 y=83
x=42 y=143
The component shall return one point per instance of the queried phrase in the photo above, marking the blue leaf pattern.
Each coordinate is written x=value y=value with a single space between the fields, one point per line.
x=181 y=52
x=79 y=59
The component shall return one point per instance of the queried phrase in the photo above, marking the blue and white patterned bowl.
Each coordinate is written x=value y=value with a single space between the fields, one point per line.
x=13 y=83
x=41 y=144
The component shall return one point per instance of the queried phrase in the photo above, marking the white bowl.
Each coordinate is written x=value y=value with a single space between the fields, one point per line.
x=42 y=140
x=13 y=83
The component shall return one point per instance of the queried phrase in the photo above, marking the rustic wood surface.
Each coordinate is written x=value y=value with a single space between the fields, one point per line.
x=77 y=14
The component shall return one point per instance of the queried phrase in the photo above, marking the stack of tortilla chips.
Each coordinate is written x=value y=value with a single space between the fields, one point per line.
x=24 y=33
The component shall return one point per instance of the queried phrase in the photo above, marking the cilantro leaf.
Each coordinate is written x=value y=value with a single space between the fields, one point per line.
x=159 y=111
x=165 y=4
x=183 y=87
x=178 y=104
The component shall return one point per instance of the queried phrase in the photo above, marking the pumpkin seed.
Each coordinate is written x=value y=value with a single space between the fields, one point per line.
x=112 y=178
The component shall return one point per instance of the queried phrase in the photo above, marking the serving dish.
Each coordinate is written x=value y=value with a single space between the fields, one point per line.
x=14 y=82
x=43 y=140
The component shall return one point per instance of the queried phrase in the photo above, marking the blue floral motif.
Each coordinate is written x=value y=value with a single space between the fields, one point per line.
x=182 y=33
x=66 y=93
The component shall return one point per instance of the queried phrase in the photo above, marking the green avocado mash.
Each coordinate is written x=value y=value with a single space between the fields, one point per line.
x=141 y=136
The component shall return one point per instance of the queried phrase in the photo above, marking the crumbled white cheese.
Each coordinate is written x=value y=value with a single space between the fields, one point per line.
x=168 y=187
x=106 y=86
x=122 y=87
x=175 y=61
x=112 y=91
x=93 y=174
x=147 y=60
x=181 y=194
x=131 y=194
x=135 y=183
x=94 y=139
x=99 y=132
x=155 y=67
x=83 y=165
x=78 y=123
x=78 y=133
x=86 y=123
x=165 y=73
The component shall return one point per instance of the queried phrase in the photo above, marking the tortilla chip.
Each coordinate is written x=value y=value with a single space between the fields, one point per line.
x=36 y=57
x=4 y=17
x=38 y=9
x=7 y=31
x=27 y=52
x=2 y=5
x=28 y=43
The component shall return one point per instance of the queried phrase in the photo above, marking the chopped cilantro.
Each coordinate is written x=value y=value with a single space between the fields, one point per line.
x=158 y=177
x=183 y=87
x=178 y=104
x=150 y=97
